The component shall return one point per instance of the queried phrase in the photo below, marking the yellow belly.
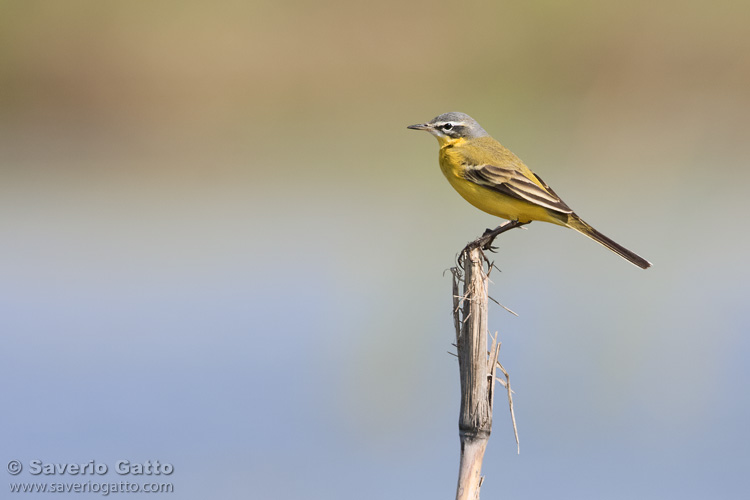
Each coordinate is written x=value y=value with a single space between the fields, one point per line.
x=494 y=202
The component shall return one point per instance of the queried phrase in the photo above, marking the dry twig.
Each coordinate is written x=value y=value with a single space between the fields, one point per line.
x=477 y=364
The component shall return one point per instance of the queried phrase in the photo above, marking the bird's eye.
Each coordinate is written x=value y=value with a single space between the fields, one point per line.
x=447 y=126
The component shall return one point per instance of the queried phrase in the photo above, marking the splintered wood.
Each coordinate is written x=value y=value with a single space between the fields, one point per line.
x=477 y=366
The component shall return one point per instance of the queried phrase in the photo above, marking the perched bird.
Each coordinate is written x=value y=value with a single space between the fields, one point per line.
x=496 y=181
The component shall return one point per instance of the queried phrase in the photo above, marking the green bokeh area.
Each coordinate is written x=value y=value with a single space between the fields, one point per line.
x=221 y=248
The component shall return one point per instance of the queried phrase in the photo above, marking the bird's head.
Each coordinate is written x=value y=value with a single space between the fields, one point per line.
x=451 y=127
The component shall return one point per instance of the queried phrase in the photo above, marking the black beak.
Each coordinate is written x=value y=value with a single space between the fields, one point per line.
x=419 y=126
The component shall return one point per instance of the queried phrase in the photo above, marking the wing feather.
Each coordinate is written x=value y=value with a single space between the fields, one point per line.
x=512 y=183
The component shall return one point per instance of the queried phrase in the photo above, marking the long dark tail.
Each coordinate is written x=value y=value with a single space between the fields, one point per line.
x=579 y=225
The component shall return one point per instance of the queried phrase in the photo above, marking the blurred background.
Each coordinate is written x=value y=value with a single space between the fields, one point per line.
x=221 y=248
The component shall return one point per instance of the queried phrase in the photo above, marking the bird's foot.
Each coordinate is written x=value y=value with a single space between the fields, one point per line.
x=485 y=241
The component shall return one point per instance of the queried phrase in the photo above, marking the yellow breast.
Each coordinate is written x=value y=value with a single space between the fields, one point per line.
x=452 y=160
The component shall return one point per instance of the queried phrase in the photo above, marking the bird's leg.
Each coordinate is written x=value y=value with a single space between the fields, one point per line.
x=485 y=241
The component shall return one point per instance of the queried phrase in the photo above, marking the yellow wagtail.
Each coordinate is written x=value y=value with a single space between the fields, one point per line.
x=496 y=181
